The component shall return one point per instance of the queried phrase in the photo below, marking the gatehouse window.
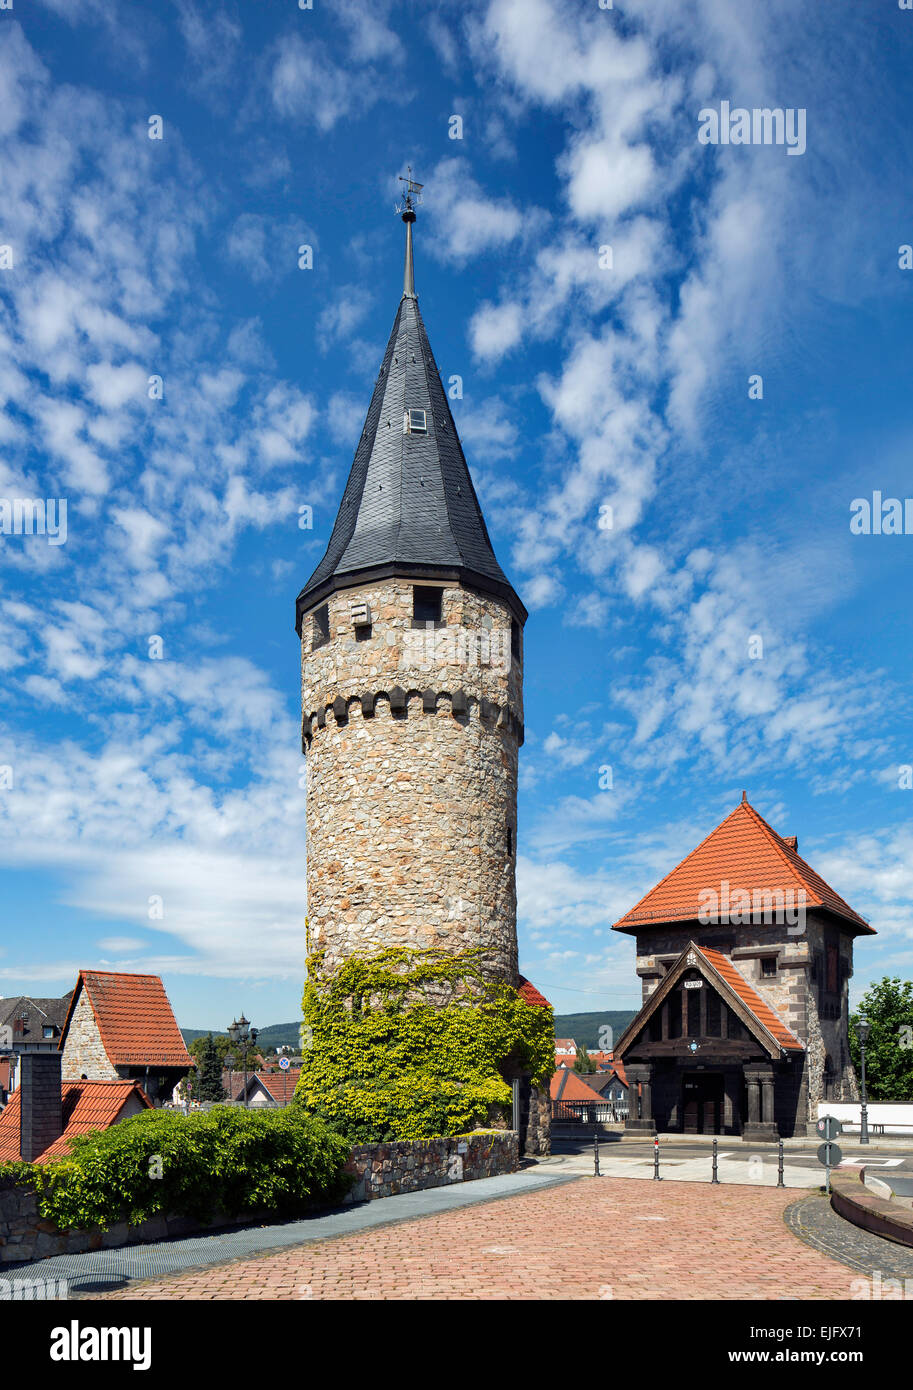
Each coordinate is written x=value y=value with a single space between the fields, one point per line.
x=768 y=967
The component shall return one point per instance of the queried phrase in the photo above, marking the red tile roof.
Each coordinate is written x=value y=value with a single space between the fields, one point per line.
x=747 y=853
x=574 y=1087
x=87 y=1105
x=135 y=1019
x=751 y=999
x=280 y=1084
x=531 y=995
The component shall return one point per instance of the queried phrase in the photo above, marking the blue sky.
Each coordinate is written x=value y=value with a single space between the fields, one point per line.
x=178 y=779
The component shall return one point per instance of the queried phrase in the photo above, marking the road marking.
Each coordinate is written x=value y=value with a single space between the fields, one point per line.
x=871 y=1163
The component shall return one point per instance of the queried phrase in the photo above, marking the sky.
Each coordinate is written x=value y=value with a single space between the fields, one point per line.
x=682 y=362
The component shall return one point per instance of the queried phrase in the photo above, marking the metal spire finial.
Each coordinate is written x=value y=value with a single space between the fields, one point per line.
x=406 y=209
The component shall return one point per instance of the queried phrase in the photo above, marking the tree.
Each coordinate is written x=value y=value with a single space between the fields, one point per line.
x=224 y=1046
x=582 y=1060
x=210 y=1067
x=888 y=1006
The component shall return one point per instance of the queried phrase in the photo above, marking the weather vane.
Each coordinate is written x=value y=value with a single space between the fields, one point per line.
x=412 y=195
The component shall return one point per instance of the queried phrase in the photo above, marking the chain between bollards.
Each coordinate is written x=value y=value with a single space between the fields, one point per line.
x=596 y=1172
x=715 y=1177
x=780 y=1182
x=656 y=1159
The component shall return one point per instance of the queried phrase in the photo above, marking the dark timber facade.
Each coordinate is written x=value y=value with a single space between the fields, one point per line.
x=745 y=956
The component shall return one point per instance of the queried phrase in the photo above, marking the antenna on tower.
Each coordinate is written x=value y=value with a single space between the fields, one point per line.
x=412 y=196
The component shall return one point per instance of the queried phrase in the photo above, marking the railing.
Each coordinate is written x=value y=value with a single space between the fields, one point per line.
x=587 y=1112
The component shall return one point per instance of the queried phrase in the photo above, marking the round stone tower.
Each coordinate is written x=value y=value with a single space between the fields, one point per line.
x=412 y=688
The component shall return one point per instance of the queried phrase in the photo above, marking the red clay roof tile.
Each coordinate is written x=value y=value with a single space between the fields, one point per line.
x=747 y=853
x=87 y=1105
x=135 y=1019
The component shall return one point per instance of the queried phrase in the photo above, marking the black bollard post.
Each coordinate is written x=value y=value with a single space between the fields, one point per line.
x=596 y=1172
x=715 y=1177
x=656 y=1159
x=780 y=1182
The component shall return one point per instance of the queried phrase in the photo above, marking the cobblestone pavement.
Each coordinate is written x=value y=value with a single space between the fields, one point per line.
x=814 y=1221
x=596 y=1238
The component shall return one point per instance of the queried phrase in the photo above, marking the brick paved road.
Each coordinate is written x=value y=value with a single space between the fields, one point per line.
x=596 y=1238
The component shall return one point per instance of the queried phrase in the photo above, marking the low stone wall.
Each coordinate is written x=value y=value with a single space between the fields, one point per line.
x=385 y=1170
x=378 y=1170
x=852 y=1200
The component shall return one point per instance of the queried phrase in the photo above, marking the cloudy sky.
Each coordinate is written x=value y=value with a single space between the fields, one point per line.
x=703 y=620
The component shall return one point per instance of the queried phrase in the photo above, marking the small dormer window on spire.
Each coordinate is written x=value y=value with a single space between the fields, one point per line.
x=415 y=421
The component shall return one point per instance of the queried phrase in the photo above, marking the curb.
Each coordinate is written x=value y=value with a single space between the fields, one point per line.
x=851 y=1199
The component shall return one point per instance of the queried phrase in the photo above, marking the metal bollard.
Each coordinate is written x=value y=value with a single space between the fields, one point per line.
x=780 y=1182
x=596 y=1172
x=715 y=1178
x=656 y=1159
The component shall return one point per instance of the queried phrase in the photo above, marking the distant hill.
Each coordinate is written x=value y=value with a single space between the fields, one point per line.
x=274 y=1035
x=584 y=1028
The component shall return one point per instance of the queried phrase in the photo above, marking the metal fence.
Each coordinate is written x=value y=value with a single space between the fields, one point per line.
x=587 y=1112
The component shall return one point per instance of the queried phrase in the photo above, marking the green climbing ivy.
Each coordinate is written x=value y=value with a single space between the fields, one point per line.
x=413 y=1044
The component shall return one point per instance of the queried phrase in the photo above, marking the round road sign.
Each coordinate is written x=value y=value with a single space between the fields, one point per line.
x=830 y=1155
x=829 y=1127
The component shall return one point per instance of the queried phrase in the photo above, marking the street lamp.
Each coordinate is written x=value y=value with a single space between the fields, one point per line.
x=863 y=1028
x=241 y=1034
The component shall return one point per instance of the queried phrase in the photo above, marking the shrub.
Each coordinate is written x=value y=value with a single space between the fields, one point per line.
x=410 y=1044
x=221 y=1162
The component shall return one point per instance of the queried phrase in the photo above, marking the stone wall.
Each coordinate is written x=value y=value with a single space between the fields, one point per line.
x=412 y=796
x=379 y=1170
x=83 y=1052
x=384 y=1170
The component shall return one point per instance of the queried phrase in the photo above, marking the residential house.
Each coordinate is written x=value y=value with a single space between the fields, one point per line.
x=121 y=1026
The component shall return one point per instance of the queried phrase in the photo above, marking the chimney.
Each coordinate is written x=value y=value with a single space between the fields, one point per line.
x=791 y=842
x=40 y=1099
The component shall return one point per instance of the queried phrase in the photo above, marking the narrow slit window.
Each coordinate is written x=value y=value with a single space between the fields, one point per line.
x=320 y=627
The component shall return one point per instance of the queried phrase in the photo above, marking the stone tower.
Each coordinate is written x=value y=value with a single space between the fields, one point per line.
x=412 y=688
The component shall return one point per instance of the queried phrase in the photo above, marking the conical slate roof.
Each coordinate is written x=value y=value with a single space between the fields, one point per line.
x=409 y=507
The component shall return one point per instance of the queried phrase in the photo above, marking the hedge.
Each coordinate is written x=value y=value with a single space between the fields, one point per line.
x=220 y=1162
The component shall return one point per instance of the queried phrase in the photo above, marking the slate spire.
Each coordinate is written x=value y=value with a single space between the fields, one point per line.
x=409 y=507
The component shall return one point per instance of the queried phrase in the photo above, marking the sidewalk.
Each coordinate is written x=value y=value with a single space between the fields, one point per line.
x=96 y=1270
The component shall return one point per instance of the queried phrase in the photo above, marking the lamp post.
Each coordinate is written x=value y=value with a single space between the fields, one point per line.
x=863 y=1028
x=241 y=1034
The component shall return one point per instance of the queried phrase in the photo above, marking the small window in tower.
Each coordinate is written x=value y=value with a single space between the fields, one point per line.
x=515 y=638
x=426 y=606
x=510 y=842
x=415 y=422
x=768 y=967
x=320 y=627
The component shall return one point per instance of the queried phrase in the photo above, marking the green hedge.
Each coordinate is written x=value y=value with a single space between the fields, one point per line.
x=415 y=1044
x=220 y=1162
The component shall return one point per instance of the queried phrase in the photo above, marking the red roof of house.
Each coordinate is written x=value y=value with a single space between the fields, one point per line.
x=574 y=1087
x=531 y=995
x=87 y=1105
x=747 y=853
x=751 y=999
x=280 y=1084
x=135 y=1019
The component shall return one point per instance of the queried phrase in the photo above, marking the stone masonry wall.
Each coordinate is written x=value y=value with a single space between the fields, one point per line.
x=384 y=1170
x=412 y=813
x=83 y=1052
x=380 y=1170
